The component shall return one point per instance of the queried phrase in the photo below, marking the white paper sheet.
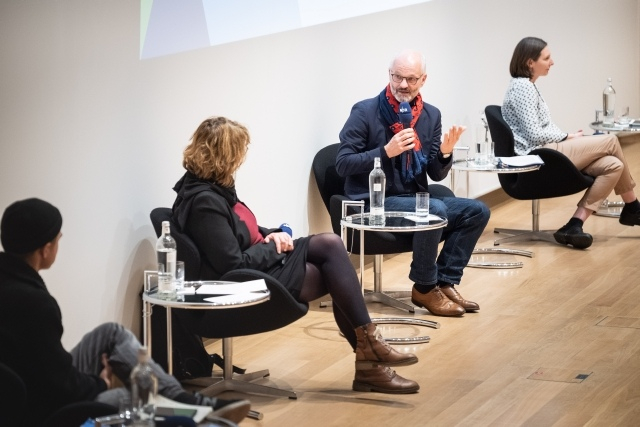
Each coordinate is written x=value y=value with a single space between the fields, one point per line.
x=234 y=298
x=233 y=288
x=416 y=218
x=520 y=161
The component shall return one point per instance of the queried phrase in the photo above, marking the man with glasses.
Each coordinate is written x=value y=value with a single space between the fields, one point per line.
x=408 y=155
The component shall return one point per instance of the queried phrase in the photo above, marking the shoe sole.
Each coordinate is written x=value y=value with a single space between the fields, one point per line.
x=234 y=412
x=625 y=221
x=418 y=304
x=358 y=386
x=371 y=364
x=578 y=242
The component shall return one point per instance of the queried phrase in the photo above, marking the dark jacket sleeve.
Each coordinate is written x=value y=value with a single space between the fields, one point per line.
x=361 y=140
x=224 y=240
x=52 y=368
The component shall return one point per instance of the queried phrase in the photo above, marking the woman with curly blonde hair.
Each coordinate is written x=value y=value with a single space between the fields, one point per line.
x=228 y=237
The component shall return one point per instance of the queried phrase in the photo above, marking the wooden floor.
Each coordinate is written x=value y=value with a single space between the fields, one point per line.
x=556 y=343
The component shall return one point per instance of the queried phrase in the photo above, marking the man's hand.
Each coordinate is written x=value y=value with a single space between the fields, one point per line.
x=284 y=242
x=451 y=138
x=401 y=142
x=105 y=374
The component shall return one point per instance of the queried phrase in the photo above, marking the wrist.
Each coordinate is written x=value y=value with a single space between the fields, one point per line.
x=445 y=155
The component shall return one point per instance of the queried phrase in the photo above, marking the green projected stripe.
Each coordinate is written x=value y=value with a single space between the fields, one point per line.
x=145 y=16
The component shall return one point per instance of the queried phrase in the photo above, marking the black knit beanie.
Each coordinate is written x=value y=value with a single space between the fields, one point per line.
x=28 y=225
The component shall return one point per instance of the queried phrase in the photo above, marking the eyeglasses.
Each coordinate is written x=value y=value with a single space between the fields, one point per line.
x=410 y=80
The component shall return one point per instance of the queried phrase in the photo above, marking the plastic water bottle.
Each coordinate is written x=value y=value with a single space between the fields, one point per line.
x=608 y=103
x=166 y=250
x=377 y=183
x=144 y=388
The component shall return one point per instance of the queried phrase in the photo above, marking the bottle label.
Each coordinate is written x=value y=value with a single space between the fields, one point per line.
x=377 y=186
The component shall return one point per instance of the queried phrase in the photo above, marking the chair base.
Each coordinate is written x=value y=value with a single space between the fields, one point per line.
x=406 y=321
x=237 y=382
x=391 y=299
x=610 y=209
x=241 y=383
x=524 y=235
x=499 y=264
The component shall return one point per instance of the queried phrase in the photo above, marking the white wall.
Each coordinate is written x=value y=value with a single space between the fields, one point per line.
x=89 y=127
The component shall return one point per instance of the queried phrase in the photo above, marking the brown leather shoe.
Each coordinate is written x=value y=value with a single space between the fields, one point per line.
x=373 y=351
x=436 y=302
x=383 y=380
x=451 y=293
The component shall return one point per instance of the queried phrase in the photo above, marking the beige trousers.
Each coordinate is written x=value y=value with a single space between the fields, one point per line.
x=601 y=157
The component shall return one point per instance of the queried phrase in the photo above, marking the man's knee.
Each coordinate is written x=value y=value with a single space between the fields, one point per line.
x=483 y=211
x=437 y=207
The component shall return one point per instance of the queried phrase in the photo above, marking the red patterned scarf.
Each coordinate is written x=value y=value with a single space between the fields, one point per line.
x=416 y=109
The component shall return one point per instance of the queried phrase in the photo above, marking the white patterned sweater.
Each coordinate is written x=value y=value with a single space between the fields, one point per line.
x=528 y=116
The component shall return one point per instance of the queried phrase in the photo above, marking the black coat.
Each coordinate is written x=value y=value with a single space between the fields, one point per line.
x=30 y=343
x=204 y=211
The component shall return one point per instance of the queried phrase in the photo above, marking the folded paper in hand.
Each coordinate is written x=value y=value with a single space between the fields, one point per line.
x=519 y=161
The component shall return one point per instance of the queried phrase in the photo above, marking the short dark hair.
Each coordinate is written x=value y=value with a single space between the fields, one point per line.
x=528 y=48
x=28 y=225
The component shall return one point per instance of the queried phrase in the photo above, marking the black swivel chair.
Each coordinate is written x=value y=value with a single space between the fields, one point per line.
x=13 y=397
x=556 y=178
x=331 y=187
x=281 y=310
x=13 y=404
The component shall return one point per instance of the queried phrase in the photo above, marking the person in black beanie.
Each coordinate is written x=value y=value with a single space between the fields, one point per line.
x=31 y=329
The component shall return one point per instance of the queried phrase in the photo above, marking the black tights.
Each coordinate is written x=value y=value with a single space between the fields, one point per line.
x=329 y=271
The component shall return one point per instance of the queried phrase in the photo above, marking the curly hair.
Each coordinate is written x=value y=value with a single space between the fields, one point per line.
x=528 y=48
x=218 y=148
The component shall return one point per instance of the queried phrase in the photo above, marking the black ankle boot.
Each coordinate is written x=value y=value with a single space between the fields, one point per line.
x=572 y=234
x=627 y=217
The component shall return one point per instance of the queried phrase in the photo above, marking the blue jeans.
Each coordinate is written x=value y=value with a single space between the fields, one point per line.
x=466 y=218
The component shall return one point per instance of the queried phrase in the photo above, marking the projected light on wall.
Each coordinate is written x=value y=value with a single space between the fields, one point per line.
x=170 y=26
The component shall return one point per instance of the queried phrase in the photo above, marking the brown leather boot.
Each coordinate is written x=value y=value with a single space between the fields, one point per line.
x=373 y=351
x=452 y=293
x=383 y=380
x=436 y=302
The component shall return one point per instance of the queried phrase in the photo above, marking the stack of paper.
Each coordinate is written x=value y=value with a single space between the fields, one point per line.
x=232 y=288
x=519 y=161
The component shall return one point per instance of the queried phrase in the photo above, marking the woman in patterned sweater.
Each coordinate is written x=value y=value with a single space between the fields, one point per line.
x=600 y=156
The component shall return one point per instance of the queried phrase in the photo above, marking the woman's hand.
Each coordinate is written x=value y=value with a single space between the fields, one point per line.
x=401 y=142
x=105 y=374
x=284 y=242
x=451 y=138
x=575 y=135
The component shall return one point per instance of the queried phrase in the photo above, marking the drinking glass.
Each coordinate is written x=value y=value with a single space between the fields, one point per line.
x=624 y=118
x=483 y=147
x=422 y=206
x=179 y=282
